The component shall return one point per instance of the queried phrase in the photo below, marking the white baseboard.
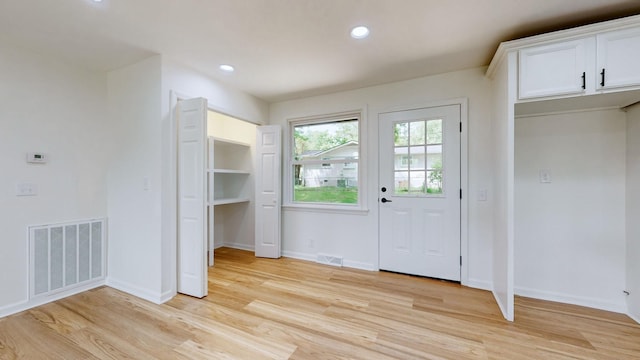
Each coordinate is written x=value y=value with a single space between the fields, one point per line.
x=358 y=265
x=314 y=257
x=572 y=299
x=218 y=246
x=137 y=291
x=240 y=246
x=28 y=304
x=501 y=306
x=14 y=308
x=167 y=295
x=478 y=284
x=635 y=318
x=299 y=256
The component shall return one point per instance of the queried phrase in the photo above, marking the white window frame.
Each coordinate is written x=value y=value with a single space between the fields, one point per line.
x=361 y=205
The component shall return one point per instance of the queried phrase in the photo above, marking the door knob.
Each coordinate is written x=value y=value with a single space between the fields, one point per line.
x=383 y=200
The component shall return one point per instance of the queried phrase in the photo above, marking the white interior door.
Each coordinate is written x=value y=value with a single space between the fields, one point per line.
x=419 y=194
x=192 y=205
x=268 y=191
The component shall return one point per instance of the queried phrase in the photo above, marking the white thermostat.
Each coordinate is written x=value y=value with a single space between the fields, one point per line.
x=36 y=158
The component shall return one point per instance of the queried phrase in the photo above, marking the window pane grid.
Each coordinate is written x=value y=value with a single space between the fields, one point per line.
x=418 y=157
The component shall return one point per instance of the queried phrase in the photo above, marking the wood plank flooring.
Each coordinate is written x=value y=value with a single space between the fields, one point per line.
x=291 y=309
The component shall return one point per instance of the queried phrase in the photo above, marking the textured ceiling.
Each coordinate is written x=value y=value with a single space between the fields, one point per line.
x=285 y=49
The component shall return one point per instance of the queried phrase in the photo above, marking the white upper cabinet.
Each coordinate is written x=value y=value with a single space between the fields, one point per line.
x=555 y=69
x=603 y=62
x=618 y=55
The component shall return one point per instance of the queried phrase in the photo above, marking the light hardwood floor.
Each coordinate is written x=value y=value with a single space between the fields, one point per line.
x=290 y=309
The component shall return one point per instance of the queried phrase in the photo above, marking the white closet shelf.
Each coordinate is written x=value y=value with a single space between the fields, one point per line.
x=230 y=171
x=220 y=141
x=230 y=201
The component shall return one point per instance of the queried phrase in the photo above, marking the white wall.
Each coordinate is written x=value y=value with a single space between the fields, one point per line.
x=633 y=212
x=570 y=233
x=502 y=150
x=355 y=236
x=134 y=208
x=142 y=228
x=221 y=98
x=51 y=107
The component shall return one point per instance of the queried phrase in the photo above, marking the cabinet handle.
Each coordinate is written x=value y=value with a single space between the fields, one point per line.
x=584 y=80
x=602 y=75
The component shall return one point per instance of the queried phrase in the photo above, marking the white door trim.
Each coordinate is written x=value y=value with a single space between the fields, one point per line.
x=464 y=175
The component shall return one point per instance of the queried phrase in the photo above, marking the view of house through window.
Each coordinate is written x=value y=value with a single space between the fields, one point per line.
x=325 y=161
x=418 y=157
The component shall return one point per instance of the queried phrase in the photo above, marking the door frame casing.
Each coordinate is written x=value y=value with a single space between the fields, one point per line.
x=464 y=174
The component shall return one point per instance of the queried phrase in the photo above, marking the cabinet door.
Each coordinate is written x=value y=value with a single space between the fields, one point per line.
x=556 y=69
x=618 y=54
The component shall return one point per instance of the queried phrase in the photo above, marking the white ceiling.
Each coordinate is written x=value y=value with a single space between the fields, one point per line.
x=284 y=49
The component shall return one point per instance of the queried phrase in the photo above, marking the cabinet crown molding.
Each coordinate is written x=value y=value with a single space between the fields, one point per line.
x=562 y=35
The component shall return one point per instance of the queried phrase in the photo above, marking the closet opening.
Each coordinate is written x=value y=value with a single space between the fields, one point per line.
x=571 y=192
x=228 y=190
x=231 y=145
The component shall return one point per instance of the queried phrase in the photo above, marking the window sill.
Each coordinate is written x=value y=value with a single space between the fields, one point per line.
x=326 y=209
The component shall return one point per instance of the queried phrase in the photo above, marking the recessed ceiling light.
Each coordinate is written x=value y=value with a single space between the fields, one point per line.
x=359 y=32
x=227 y=68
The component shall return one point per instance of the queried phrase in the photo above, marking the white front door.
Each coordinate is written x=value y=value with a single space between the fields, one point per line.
x=420 y=191
x=192 y=205
x=267 y=242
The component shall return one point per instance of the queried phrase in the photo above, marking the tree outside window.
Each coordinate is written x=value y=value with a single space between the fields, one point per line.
x=325 y=161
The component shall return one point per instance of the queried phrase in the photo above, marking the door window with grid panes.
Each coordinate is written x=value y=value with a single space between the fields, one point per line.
x=418 y=169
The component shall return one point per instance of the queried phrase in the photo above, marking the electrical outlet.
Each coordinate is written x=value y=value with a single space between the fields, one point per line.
x=36 y=158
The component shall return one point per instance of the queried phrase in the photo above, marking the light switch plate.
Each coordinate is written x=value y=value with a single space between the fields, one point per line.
x=545 y=176
x=26 y=189
x=146 y=183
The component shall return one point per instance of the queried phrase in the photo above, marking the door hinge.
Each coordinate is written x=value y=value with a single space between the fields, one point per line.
x=460 y=126
x=460 y=193
x=460 y=260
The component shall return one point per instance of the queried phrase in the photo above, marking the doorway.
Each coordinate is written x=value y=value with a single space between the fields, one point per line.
x=217 y=156
x=230 y=181
x=420 y=191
